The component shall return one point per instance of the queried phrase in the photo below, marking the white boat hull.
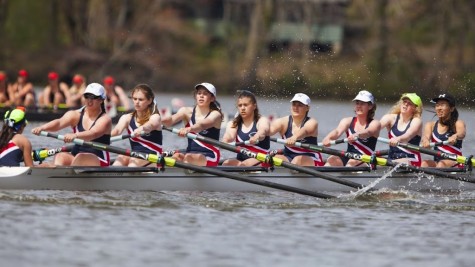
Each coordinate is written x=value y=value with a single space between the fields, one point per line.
x=176 y=179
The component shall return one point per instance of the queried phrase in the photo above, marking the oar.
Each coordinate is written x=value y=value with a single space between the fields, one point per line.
x=265 y=158
x=170 y=162
x=379 y=161
x=336 y=142
x=42 y=154
x=438 y=153
x=126 y=136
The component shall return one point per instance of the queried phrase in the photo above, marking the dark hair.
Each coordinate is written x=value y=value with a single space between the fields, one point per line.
x=7 y=134
x=454 y=116
x=371 y=112
x=242 y=94
x=152 y=108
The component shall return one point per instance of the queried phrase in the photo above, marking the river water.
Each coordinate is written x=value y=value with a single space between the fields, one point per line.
x=123 y=228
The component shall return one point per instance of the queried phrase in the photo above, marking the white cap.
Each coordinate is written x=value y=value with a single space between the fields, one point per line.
x=96 y=89
x=365 y=96
x=208 y=87
x=302 y=98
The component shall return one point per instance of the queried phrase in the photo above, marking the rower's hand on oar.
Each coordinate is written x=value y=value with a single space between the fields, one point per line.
x=254 y=139
x=36 y=131
x=452 y=139
x=69 y=137
x=425 y=143
x=184 y=131
x=326 y=142
x=394 y=141
x=290 y=141
x=353 y=138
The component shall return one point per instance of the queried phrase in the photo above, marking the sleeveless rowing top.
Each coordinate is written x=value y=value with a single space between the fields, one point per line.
x=291 y=151
x=103 y=156
x=211 y=153
x=11 y=155
x=150 y=144
x=261 y=147
x=400 y=152
x=438 y=137
x=361 y=146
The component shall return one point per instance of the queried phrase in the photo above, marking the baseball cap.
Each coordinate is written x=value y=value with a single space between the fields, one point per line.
x=78 y=79
x=109 y=80
x=208 y=87
x=96 y=89
x=53 y=75
x=415 y=99
x=364 y=96
x=23 y=73
x=15 y=118
x=302 y=98
x=445 y=96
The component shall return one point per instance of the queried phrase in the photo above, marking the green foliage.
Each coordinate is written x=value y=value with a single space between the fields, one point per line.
x=27 y=25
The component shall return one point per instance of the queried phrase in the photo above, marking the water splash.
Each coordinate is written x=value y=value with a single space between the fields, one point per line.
x=375 y=182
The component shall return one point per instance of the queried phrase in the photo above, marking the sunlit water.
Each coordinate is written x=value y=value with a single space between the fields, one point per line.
x=122 y=228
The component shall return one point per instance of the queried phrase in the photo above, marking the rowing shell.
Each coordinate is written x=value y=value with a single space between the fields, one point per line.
x=177 y=179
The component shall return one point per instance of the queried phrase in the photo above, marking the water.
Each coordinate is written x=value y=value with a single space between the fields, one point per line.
x=121 y=228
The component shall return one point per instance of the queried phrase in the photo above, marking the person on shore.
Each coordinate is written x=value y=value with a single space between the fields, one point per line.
x=204 y=119
x=448 y=127
x=55 y=94
x=250 y=126
x=22 y=92
x=361 y=130
x=15 y=148
x=298 y=127
x=76 y=90
x=4 y=94
x=404 y=125
x=90 y=123
x=145 y=118
x=116 y=96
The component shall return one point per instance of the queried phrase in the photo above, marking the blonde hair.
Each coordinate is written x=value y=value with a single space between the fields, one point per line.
x=396 y=109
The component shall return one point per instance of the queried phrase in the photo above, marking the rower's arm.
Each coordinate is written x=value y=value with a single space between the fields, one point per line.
x=263 y=128
x=337 y=132
x=210 y=121
x=372 y=130
x=180 y=115
x=230 y=133
x=426 y=134
x=121 y=124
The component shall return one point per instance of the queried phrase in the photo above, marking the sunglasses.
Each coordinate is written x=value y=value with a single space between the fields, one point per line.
x=91 y=96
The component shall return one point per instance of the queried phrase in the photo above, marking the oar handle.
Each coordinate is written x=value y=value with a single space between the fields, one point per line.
x=126 y=136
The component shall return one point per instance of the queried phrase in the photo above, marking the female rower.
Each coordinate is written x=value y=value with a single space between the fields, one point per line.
x=76 y=91
x=14 y=146
x=203 y=119
x=404 y=125
x=145 y=118
x=298 y=127
x=55 y=93
x=250 y=126
x=22 y=92
x=4 y=94
x=115 y=95
x=362 y=131
x=448 y=127
x=89 y=123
